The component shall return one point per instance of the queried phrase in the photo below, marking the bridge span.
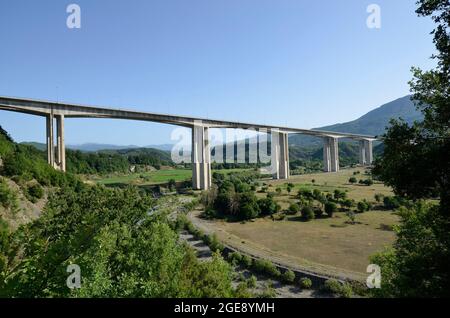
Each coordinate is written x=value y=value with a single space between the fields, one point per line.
x=201 y=152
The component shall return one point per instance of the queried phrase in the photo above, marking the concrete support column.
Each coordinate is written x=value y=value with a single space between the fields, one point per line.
x=330 y=154
x=201 y=158
x=60 y=144
x=326 y=155
x=362 y=152
x=280 y=155
x=50 y=141
x=368 y=151
x=365 y=152
x=334 y=151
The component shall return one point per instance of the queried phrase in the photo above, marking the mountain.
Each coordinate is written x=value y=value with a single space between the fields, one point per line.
x=92 y=147
x=372 y=123
x=38 y=145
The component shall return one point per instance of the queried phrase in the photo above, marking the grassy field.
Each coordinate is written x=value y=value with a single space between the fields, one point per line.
x=147 y=178
x=320 y=243
x=153 y=177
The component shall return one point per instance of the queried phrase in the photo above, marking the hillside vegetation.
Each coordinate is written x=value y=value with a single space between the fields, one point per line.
x=121 y=248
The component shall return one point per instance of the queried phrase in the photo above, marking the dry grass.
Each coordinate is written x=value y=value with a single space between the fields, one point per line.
x=321 y=243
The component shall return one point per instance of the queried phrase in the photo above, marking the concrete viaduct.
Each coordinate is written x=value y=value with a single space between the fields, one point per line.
x=201 y=153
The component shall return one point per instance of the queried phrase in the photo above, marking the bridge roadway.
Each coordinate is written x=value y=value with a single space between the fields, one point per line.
x=201 y=152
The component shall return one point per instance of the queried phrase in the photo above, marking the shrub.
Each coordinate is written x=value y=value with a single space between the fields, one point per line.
x=278 y=190
x=251 y=281
x=209 y=213
x=294 y=208
x=35 y=192
x=391 y=203
x=352 y=180
x=378 y=197
x=268 y=206
x=333 y=286
x=361 y=206
x=288 y=276
x=330 y=208
x=338 y=194
x=307 y=213
x=266 y=267
x=318 y=212
x=305 y=283
x=246 y=261
x=213 y=243
x=8 y=198
x=235 y=257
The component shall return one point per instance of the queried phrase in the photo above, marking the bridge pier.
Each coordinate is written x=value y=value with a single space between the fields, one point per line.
x=60 y=143
x=60 y=161
x=365 y=152
x=201 y=158
x=330 y=154
x=50 y=141
x=280 y=155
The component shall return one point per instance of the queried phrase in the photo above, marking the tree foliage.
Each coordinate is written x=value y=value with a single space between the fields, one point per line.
x=416 y=164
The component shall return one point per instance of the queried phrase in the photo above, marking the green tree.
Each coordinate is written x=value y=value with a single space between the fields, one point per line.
x=416 y=164
x=330 y=208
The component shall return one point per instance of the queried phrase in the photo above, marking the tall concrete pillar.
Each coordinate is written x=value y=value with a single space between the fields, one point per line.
x=60 y=144
x=326 y=155
x=280 y=155
x=330 y=154
x=365 y=152
x=368 y=151
x=50 y=141
x=201 y=158
x=334 y=151
x=362 y=152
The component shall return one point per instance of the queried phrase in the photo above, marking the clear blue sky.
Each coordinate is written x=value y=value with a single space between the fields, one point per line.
x=283 y=62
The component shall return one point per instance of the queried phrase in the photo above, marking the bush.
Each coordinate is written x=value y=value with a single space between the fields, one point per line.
x=8 y=198
x=367 y=182
x=246 y=261
x=333 y=286
x=266 y=267
x=330 y=208
x=35 y=192
x=288 y=276
x=268 y=206
x=305 y=283
x=251 y=281
x=294 y=208
x=378 y=197
x=307 y=213
x=361 y=206
x=213 y=242
x=209 y=213
x=235 y=257
x=352 y=180
x=318 y=212
x=340 y=195
x=391 y=203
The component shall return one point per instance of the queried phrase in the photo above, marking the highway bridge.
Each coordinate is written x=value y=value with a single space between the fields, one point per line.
x=201 y=152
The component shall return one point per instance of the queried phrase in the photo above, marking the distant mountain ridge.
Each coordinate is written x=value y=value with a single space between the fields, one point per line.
x=373 y=123
x=94 y=147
